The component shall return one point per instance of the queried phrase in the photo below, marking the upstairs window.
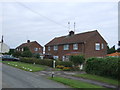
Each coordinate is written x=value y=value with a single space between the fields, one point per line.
x=97 y=46
x=75 y=46
x=102 y=46
x=35 y=49
x=48 y=48
x=55 y=47
x=66 y=47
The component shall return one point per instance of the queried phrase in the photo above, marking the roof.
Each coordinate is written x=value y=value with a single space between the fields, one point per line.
x=29 y=44
x=76 y=38
x=114 y=54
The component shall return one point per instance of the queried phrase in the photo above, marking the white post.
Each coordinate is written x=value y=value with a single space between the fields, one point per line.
x=54 y=64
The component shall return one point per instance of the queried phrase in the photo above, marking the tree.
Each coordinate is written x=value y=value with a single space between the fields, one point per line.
x=118 y=50
x=111 y=50
x=77 y=60
x=16 y=54
x=26 y=52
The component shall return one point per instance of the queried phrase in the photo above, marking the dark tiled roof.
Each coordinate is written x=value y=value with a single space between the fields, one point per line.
x=76 y=38
x=29 y=44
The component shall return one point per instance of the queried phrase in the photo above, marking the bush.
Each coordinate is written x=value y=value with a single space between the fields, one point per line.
x=65 y=63
x=60 y=66
x=66 y=68
x=79 y=59
x=103 y=66
x=46 y=62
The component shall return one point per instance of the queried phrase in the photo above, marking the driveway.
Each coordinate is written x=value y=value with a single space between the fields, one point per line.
x=16 y=78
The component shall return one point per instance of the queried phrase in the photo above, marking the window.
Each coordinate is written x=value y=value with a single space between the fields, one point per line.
x=75 y=46
x=22 y=49
x=48 y=48
x=97 y=46
x=66 y=47
x=55 y=47
x=35 y=49
x=55 y=57
x=102 y=46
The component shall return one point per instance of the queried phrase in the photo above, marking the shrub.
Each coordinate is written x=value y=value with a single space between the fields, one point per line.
x=66 y=68
x=79 y=59
x=65 y=63
x=46 y=62
x=60 y=66
x=103 y=66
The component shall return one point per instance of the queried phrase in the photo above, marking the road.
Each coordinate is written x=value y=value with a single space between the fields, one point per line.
x=16 y=78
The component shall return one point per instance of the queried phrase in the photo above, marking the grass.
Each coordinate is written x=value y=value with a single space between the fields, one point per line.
x=98 y=78
x=74 y=83
x=24 y=66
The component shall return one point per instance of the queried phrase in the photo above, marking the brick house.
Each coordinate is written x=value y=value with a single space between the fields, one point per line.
x=33 y=46
x=89 y=44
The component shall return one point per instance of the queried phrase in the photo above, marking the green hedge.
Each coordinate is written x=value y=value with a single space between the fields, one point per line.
x=47 y=62
x=109 y=66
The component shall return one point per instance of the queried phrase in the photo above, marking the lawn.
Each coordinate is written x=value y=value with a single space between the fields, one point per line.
x=98 y=78
x=74 y=83
x=25 y=66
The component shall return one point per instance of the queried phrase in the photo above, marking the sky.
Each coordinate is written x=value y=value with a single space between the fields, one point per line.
x=43 y=21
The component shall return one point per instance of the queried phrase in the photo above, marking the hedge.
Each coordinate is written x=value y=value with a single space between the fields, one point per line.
x=47 y=62
x=109 y=66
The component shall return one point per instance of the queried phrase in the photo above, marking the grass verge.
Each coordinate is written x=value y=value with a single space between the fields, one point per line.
x=74 y=83
x=98 y=78
x=24 y=66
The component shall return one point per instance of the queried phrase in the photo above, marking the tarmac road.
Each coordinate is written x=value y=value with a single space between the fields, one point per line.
x=16 y=78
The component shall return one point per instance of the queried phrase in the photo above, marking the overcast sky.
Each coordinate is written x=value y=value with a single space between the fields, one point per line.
x=43 y=21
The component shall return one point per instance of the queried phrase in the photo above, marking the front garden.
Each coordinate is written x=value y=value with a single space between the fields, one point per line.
x=99 y=69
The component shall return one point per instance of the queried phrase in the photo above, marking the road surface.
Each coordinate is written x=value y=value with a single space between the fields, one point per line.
x=16 y=78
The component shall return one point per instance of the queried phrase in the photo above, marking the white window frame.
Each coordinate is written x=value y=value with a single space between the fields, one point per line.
x=75 y=46
x=35 y=49
x=66 y=47
x=48 y=48
x=102 y=46
x=56 y=57
x=97 y=46
x=55 y=47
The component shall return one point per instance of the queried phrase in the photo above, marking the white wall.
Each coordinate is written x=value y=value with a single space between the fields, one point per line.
x=4 y=48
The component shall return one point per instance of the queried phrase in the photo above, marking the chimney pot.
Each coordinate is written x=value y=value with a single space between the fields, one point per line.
x=71 y=33
x=28 y=41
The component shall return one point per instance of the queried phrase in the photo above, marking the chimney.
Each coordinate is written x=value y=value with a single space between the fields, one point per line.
x=71 y=33
x=28 y=41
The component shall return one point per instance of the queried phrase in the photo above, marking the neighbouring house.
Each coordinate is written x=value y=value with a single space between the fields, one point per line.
x=116 y=54
x=4 y=48
x=33 y=46
x=89 y=44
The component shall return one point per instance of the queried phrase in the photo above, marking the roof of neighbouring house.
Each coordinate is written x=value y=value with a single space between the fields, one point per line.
x=76 y=38
x=29 y=44
x=114 y=54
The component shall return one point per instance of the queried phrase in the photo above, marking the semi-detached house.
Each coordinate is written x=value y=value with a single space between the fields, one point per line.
x=33 y=46
x=89 y=44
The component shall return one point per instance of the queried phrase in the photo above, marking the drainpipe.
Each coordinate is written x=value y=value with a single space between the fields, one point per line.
x=84 y=48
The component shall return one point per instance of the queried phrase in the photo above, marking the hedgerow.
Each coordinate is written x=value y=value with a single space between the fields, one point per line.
x=109 y=66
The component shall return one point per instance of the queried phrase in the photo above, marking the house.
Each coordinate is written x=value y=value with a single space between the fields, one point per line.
x=116 y=54
x=89 y=44
x=33 y=46
x=4 y=48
